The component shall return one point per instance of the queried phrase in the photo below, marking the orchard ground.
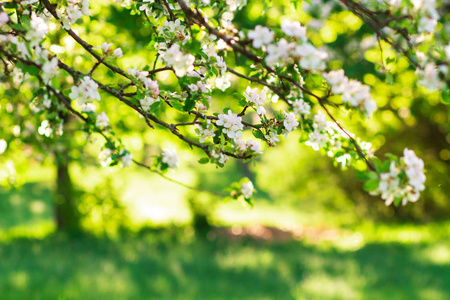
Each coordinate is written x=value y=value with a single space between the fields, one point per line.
x=268 y=252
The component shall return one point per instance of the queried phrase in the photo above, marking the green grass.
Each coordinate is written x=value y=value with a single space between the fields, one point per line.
x=364 y=260
x=159 y=266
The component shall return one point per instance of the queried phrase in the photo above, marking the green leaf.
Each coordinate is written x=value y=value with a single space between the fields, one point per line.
x=446 y=95
x=371 y=185
x=18 y=27
x=177 y=105
x=386 y=166
x=280 y=128
x=364 y=175
x=390 y=60
x=203 y=160
x=189 y=104
x=389 y=78
x=304 y=137
x=243 y=102
x=10 y=5
x=30 y=69
x=258 y=134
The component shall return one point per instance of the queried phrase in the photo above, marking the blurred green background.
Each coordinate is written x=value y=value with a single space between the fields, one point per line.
x=70 y=229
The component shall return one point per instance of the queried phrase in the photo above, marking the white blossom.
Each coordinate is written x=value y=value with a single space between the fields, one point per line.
x=232 y=124
x=86 y=92
x=205 y=133
x=294 y=29
x=219 y=156
x=253 y=96
x=290 y=121
x=102 y=120
x=310 y=57
x=301 y=107
x=414 y=169
x=353 y=92
x=105 y=157
x=39 y=29
x=430 y=77
x=317 y=139
x=279 y=53
x=125 y=158
x=447 y=52
x=117 y=53
x=88 y=107
x=181 y=63
x=247 y=189
x=223 y=82
x=4 y=18
x=50 y=69
x=272 y=139
x=147 y=102
x=170 y=158
x=260 y=36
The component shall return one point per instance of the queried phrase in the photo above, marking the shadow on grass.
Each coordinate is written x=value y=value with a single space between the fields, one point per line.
x=30 y=204
x=151 y=268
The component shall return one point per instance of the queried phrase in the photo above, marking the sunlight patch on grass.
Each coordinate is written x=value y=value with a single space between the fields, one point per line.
x=35 y=230
x=438 y=254
x=19 y=280
x=150 y=202
x=323 y=286
x=246 y=258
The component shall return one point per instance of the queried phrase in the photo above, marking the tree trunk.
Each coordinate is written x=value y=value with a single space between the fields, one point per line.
x=67 y=215
x=66 y=211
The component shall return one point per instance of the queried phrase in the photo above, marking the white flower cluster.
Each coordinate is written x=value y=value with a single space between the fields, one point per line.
x=429 y=76
x=174 y=57
x=414 y=170
x=170 y=158
x=290 y=122
x=74 y=10
x=151 y=88
x=256 y=98
x=108 y=52
x=247 y=189
x=35 y=36
x=260 y=36
x=271 y=139
x=48 y=129
x=423 y=10
x=199 y=87
x=39 y=30
x=147 y=7
x=319 y=137
x=233 y=5
x=218 y=156
x=353 y=92
x=241 y=146
x=222 y=81
x=301 y=107
x=174 y=31
x=390 y=185
x=4 y=18
x=125 y=158
x=232 y=124
x=102 y=120
x=205 y=132
x=306 y=55
x=295 y=30
x=85 y=92
x=105 y=157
